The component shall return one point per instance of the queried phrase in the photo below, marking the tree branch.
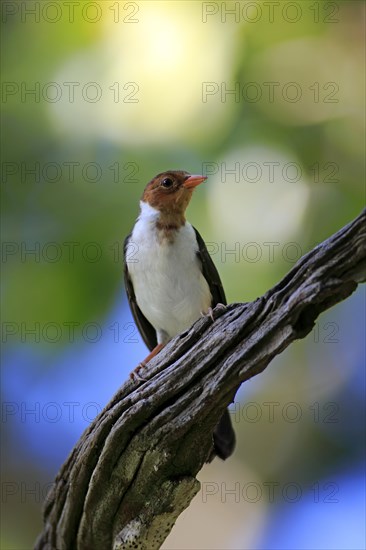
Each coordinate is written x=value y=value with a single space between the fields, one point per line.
x=133 y=470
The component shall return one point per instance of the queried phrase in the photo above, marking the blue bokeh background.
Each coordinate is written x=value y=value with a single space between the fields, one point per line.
x=285 y=172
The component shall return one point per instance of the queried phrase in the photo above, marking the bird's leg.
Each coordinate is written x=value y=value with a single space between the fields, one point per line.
x=135 y=373
x=152 y=354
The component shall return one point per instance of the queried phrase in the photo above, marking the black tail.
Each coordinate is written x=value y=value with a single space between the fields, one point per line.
x=224 y=438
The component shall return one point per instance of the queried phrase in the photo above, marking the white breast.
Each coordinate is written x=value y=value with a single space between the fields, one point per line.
x=169 y=286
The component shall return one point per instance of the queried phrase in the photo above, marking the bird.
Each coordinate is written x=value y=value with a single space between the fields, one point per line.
x=171 y=280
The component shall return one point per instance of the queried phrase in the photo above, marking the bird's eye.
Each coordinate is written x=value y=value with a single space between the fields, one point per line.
x=167 y=182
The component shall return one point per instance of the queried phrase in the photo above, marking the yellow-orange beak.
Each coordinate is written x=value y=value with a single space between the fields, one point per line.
x=192 y=181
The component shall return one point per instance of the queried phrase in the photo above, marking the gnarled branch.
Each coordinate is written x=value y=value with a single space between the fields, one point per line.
x=133 y=470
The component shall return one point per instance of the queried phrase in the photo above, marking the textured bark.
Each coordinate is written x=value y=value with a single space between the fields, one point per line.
x=133 y=470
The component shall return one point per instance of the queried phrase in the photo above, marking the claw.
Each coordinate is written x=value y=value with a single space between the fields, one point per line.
x=135 y=373
x=210 y=312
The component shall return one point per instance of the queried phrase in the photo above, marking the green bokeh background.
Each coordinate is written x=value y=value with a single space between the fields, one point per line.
x=170 y=51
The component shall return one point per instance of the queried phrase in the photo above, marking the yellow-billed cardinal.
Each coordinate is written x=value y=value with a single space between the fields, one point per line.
x=171 y=280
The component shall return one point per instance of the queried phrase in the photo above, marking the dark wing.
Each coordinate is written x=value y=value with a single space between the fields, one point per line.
x=210 y=272
x=224 y=435
x=146 y=329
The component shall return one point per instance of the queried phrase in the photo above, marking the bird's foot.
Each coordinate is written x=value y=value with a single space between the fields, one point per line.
x=135 y=374
x=220 y=308
x=210 y=314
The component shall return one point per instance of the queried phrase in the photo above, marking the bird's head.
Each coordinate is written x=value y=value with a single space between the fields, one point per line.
x=170 y=192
